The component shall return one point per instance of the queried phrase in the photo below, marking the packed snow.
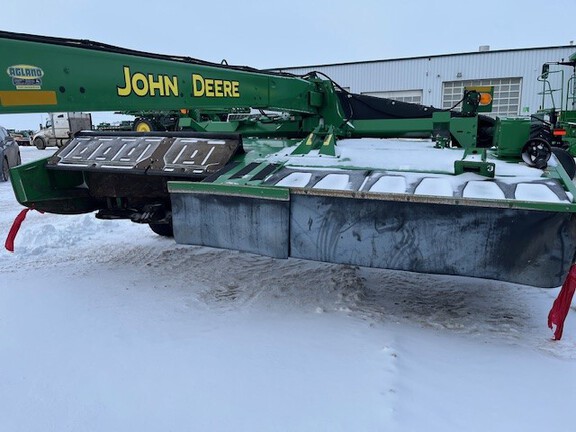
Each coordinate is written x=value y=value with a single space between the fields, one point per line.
x=105 y=326
x=402 y=166
x=394 y=155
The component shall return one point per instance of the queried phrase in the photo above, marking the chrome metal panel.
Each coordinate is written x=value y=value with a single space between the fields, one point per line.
x=171 y=155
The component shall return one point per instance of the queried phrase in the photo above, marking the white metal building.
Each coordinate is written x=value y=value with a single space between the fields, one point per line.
x=439 y=80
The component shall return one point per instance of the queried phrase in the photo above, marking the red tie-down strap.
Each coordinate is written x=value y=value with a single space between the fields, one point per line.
x=9 y=245
x=562 y=304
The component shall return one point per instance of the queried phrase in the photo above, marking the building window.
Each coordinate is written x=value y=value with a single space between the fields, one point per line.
x=506 y=94
x=411 y=96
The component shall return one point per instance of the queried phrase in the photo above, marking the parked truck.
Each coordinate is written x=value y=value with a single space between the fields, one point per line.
x=60 y=127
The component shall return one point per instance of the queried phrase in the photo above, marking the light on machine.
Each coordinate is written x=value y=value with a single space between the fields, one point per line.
x=485 y=98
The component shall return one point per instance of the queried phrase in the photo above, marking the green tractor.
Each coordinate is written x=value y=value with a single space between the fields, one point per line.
x=557 y=114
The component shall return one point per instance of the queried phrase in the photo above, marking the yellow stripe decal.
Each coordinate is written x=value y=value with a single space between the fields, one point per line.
x=22 y=98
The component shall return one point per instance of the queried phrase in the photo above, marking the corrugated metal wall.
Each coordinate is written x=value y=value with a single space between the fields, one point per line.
x=429 y=73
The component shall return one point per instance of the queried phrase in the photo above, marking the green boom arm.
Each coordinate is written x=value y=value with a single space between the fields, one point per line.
x=44 y=74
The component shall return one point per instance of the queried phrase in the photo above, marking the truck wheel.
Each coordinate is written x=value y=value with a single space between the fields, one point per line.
x=40 y=143
x=164 y=230
x=5 y=173
x=143 y=125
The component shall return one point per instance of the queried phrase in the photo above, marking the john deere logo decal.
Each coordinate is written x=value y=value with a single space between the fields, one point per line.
x=26 y=77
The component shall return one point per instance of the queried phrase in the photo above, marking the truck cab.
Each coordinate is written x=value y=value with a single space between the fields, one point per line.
x=59 y=128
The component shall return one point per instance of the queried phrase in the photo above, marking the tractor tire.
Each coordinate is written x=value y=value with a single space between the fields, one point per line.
x=541 y=130
x=164 y=230
x=40 y=143
x=566 y=160
x=536 y=152
x=5 y=172
x=143 y=125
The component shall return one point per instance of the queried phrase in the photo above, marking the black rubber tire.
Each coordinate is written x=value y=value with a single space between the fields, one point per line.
x=5 y=172
x=536 y=152
x=164 y=230
x=541 y=130
x=40 y=143
x=143 y=125
x=566 y=160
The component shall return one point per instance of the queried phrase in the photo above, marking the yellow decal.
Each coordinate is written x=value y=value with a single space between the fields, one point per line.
x=147 y=84
x=23 y=98
x=327 y=140
x=211 y=87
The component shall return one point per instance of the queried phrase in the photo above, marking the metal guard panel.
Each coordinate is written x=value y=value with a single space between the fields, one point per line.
x=525 y=246
x=178 y=155
x=248 y=224
x=514 y=245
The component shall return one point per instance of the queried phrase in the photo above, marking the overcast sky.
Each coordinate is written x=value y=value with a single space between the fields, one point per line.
x=266 y=34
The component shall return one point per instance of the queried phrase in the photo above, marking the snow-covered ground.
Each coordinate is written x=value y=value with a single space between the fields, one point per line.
x=105 y=326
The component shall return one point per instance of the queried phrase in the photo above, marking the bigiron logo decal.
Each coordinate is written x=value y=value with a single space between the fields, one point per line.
x=26 y=77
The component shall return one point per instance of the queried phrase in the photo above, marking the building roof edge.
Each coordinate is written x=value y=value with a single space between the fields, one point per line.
x=422 y=57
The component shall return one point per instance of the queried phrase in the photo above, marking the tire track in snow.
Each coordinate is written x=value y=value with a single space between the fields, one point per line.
x=230 y=280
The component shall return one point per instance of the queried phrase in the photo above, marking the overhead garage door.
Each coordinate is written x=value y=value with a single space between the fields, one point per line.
x=412 y=96
x=506 y=100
